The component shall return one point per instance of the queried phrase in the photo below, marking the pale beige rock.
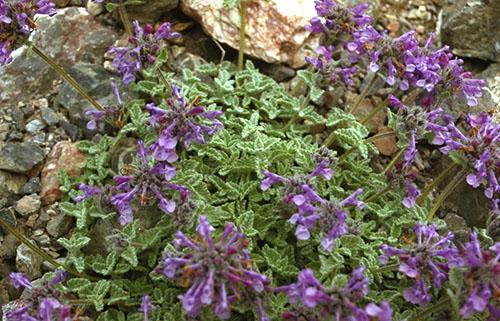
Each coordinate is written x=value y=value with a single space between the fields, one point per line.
x=387 y=145
x=274 y=30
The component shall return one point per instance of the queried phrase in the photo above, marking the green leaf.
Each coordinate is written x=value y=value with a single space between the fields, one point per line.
x=278 y=262
x=130 y=255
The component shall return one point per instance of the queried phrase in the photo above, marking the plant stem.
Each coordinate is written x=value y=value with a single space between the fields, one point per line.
x=60 y=70
x=368 y=140
x=375 y=111
x=296 y=87
x=388 y=268
x=377 y=195
x=163 y=79
x=241 y=53
x=446 y=192
x=428 y=189
x=439 y=306
x=32 y=246
x=330 y=140
x=297 y=117
x=363 y=95
x=122 y=10
x=393 y=162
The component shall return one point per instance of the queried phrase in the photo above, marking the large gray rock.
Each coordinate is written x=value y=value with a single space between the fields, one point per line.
x=28 y=262
x=27 y=205
x=151 y=10
x=20 y=157
x=472 y=28
x=71 y=36
x=491 y=96
x=274 y=30
x=11 y=183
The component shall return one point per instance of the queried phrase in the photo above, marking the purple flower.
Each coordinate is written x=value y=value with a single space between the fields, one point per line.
x=180 y=123
x=218 y=271
x=142 y=50
x=60 y=277
x=146 y=182
x=110 y=112
x=146 y=307
x=427 y=261
x=88 y=192
x=310 y=298
x=483 y=271
x=49 y=309
x=20 y=280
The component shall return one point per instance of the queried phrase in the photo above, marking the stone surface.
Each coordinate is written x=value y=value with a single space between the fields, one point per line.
x=59 y=225
x=11 y=183
x=56 y=36
x=8 y=247
x=274 y=30
x=28 y=262
x=365 y=107
x=32 y=186
x=151 y=10
x=20 y=157
x=34 y=126
x=49 y=116
x=63 y=156
x=491 y=97
x=471 y=28
x=387 y=145
x=27 y=205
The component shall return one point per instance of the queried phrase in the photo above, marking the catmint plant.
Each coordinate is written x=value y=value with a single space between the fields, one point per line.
x=109 y=113
x=17 y=21
x=43 y=302
x=428 y=261
x=313 y=301
x=142 y=50
x=146 y=307
x=218 y=271
x=481 y=279
x=180 y=124
x=146 y=180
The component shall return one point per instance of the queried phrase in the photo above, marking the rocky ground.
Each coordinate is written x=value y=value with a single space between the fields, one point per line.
x=41 y=116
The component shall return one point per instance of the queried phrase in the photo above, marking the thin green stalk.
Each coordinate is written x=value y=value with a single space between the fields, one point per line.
x=429 y=188
x=37 y=250
x=368 y=140
x=122 y=10
x=67 y=77
x=241 y=53
x=374 y=112
x=330 y=140
x=377 y=195
x=387 y=268
x=297 y=86
x=441 y=305
x=296 y=117
x=363 y=95
x=446 y=192
x=163 y=79
x=393 y=162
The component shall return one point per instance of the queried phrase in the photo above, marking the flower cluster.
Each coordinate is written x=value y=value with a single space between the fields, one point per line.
x=142 y=50
x=148 y=180
x=146 y=307
x=218 y=271
x=43 y=304
x=483 y=272
x=315 y=302
x=179 y=123
x=109 y=112
x=402 y=61
x=427 y=261
x=481 y=148
x=17 y=22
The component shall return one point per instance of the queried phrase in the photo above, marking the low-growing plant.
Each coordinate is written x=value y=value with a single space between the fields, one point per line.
x=231 y=209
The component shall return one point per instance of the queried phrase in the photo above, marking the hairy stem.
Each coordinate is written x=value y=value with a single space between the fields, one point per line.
x=330 y=139
x=429 y=188
x=363 y=95
x=446 y=192
x=441 y=305
x=122 y=10
x=375 y=111
x=387 y=268
x=241 y=53
x=60 y=70
x=368 y=140
x=377 y=195
x=393 y=162
x=37 y=250
x=297 y=117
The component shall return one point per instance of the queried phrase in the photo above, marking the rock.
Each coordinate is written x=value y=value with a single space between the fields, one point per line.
x=278 y=72
x=26 y=77
x=469 y=203
x=42 y=219
x=34 y=126
x=73 y=131
x=387 y=145
x=365 y=108
x=11 y=183
x=20 y=157
x=150 y=11
x=62 y=3
x=471 y=28
x=28 y=262
x=49 y=116
x=8 y=247
x=98 y=238
x=28 y=205
x=4 y=131
x=458 y=226
x=64 y=156
x=32 y=186
x=97 y=82
x=94 y=9
x=59 y=225
x=274 y=31
x=491 y=97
